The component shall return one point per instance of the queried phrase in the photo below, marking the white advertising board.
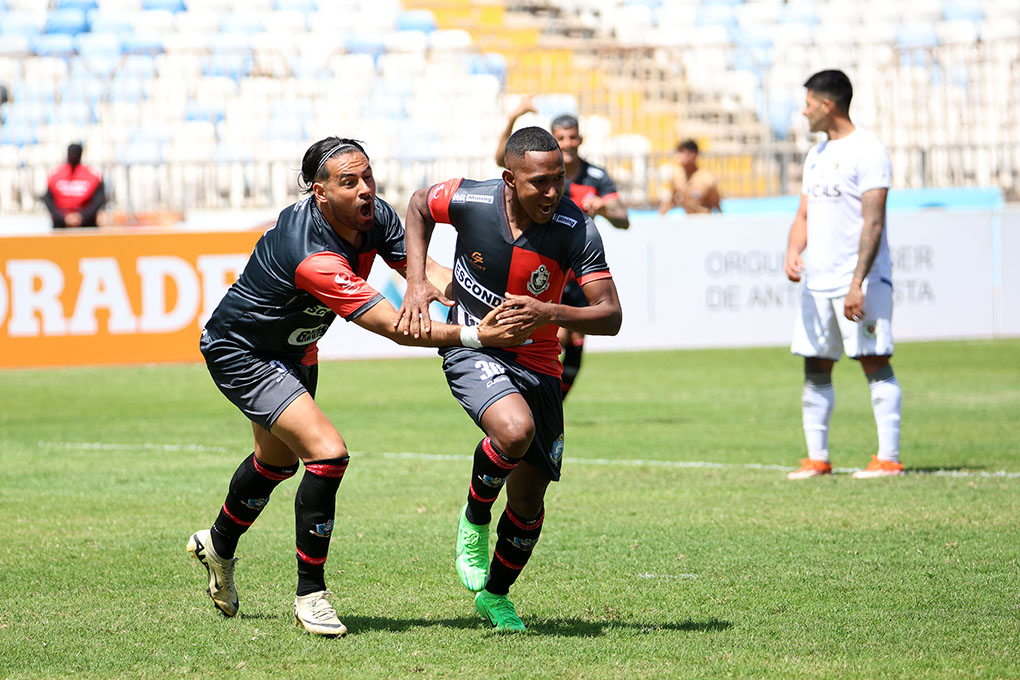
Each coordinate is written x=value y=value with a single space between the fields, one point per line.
x=718 y=282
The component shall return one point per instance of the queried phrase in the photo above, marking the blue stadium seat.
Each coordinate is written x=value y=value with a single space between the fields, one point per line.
x=110 y=22
x=416 y=20
x=97 y=43
x=141 y=153
x=138 y=65
x=366 y=43
x=716 y=15
x=241 y=22
x=87 y=89
x=141 y=43
x=963 y=10
x=18 y=135
x=26 y=113
x=83 y=5
x=800 y=13
x=73 y=113
x=203 y=111
x=306 y=6
x=69 y=21
x=916 y=35
x=490 y=63
x=174 y=6
x=52 y=45
x=18 y=22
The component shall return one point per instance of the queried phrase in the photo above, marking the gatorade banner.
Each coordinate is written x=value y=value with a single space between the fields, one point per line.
x=113 y=298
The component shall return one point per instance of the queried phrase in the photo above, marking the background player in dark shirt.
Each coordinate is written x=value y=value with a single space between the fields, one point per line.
x=517 y=238
x=591 y=188
x=259 y=345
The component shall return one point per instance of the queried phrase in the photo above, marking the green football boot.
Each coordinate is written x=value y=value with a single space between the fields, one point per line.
x=499 y=611
x=472 y=553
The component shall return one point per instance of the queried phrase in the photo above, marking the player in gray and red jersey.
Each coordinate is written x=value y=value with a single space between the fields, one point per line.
x=260 y=347
x=517 y=237
x=593 y=190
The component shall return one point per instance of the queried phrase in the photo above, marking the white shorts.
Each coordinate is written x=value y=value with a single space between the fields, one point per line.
x=822 y=331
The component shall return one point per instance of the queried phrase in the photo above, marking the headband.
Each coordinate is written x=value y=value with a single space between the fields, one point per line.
x=339 y=147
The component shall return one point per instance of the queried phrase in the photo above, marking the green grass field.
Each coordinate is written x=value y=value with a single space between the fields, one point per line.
x=673 y=547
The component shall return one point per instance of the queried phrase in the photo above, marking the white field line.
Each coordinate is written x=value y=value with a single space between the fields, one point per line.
x=628 y=462
x=631 y=462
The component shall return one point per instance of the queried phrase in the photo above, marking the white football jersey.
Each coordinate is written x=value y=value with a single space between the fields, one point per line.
x=836 y=175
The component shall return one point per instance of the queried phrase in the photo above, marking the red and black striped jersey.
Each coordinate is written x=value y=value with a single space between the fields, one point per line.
x=489 y=262
x=300 y=276
x=590 y=181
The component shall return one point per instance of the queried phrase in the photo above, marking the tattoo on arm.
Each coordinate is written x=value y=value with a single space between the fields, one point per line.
x=873 y=211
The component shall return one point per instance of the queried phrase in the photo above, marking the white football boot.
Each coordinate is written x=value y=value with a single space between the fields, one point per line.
x=315 y=614
x=221 y=572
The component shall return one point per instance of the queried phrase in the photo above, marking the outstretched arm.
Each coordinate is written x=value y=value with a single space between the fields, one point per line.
x=873 y=212
x=526 y=105
x=413 y=316
x=488 y=333
x=612 y=208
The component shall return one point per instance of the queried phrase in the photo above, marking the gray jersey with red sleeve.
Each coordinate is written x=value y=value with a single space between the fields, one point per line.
x=300 y=276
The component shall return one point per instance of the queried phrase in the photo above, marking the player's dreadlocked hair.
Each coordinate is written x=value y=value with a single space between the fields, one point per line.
x=313 y=165
x=529 y=139
x=832 y=85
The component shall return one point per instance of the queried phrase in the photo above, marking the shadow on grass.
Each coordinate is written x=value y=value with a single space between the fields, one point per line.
x=585 y=628
x=559 y=627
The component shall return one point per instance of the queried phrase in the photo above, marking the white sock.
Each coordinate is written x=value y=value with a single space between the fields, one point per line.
x=887 y=404
x=817 y=402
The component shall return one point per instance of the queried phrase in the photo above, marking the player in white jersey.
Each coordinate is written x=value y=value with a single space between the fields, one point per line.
x=838 y=248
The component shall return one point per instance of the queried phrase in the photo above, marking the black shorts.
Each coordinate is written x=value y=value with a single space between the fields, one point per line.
x=573 y=296
x=478 y=377
x=262 y=388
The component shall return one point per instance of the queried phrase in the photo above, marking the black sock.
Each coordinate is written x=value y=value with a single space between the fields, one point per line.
x=488 y=474
x=516 y=538
x=249 y=491
x=314 y=508
x=571 y=365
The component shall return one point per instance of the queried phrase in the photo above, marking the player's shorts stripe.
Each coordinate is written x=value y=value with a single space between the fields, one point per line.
x=506 y=563
x=496 y=457
x=269 y=474
x=327 y=470
x=310 y=560
x=521 y=524
x=234 y=518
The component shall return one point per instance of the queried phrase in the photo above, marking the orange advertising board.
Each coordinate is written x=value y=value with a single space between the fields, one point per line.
x=113 y=297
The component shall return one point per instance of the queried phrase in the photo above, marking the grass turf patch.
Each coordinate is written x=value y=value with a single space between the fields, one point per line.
x=671 y=547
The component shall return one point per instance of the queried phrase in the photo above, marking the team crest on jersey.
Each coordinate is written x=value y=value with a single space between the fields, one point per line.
x=539 y=281
x=477 y=261
x=870 y=329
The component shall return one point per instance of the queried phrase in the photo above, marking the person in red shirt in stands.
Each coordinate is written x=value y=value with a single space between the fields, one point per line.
x=74 y=193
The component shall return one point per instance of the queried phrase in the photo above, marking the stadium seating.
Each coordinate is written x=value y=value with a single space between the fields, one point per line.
x=432 y=79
